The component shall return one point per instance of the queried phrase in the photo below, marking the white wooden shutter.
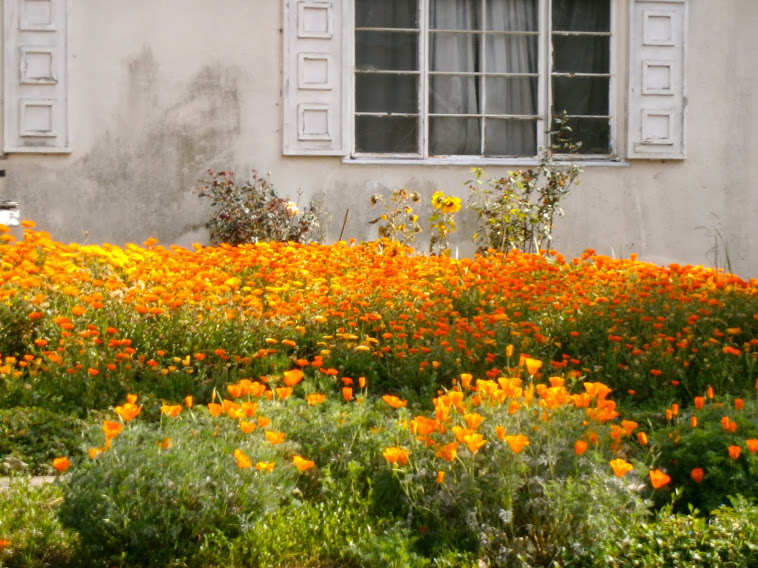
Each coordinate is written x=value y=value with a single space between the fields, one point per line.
x=313 y=97
x=35 y=72
x=657 y=82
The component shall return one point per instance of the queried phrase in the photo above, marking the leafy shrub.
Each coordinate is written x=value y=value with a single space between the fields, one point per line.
x=252 y=212
x=36 y=436
x=29 y=523
x=150 y=505
x=682 y=449
x=472 y=487
x=729 y=538
x=518 y=210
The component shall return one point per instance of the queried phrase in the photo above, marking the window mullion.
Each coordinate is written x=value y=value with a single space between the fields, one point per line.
x=423 y=78
x=483 y=84
x=545 y=70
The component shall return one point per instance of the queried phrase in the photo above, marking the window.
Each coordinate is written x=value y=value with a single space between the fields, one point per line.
x=480 y=81
x=36 y=76
x=480 y=77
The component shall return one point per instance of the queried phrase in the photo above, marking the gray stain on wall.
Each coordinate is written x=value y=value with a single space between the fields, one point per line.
x=144 y=167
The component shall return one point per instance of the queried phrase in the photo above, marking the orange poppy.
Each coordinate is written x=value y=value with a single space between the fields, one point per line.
x=394 y=401
x=474 y=442
x=697 y=474
x=315 y=399
x=61 y=464
x=395 y=455
x=517 y=442
x=275 y=437
x=658 y=479
x=111 y=429
x=302 y=464
x=243 y=462
x=734 y=452
x=283 y=392
x=264 y=466
x=752 y=445
x=171 y=410
x=293 y=377
x=621 y=467
x=699 y=402
x=580 y=447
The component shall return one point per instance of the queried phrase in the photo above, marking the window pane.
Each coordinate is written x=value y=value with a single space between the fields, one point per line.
x=510 y=137
x=580 y=95
x=511 y=95
x=594 y=134
x=390 y=134
x=454 y=14
x=454 y=136
x=386 y=14
x=379 y=92
x=582 y=15
x=396 y=51
x=581 y=54
x=511 y=53
x=454 y=52
x=453 y=94
x=512 y=15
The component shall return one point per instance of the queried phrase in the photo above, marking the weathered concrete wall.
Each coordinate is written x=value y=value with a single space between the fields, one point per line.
x=162 y=90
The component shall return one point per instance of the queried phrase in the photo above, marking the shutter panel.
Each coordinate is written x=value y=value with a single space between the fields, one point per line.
x=314 y=102
x=36 y=63
x=657 y=82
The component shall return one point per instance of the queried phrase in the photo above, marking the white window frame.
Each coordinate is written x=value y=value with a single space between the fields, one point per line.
x=544 y=99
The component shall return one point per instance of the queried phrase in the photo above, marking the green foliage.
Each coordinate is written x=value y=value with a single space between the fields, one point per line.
x=398 y=222
x=253 y=212
x=29 y=522
x=142 y=504
x=728 y=539
x=681 y=448
x=527 y=509
x=518 y=210
x=36 y=436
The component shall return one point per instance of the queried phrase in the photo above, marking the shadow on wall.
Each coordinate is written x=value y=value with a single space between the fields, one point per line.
x=138 y=179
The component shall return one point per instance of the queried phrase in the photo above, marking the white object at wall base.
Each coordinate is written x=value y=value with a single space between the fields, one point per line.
x=9 y=215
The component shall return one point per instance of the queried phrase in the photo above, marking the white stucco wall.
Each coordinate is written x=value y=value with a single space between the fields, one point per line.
x=161 y=90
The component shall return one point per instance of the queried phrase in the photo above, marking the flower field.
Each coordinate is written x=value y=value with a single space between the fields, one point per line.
x=356 y=404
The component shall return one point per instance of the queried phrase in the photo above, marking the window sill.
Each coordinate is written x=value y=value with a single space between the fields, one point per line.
x=474 y=161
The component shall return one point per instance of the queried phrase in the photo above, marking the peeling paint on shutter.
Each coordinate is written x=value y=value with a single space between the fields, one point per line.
x=35 y=72
x=313 y=98
x=657 y=82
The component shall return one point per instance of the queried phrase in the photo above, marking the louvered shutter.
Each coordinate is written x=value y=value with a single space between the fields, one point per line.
x=657 y=82
x=35 y=71
x=313 y=97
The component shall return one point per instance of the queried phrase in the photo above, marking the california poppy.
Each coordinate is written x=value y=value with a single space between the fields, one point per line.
x=395 y=455
x=243 y=462
x=697 y=474
x=621 y=467
x=517 y=442
x=275 y=437
x=302 y=464
x=61 y=464
x=658 y=479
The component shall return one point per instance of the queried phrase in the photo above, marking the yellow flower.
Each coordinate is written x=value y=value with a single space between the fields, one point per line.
x=265 y=466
